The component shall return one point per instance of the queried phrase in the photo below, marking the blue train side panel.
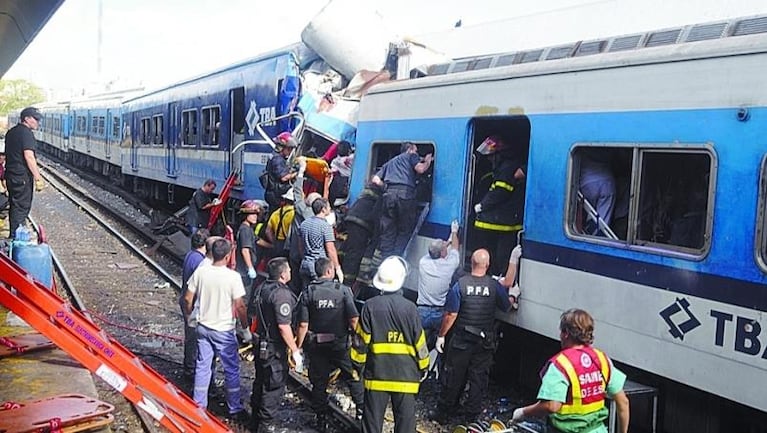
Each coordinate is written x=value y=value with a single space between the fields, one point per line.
x=206 y=118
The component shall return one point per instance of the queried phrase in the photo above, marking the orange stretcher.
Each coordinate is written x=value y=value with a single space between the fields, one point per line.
x=317 y=169
x=18 y=344
x=84 y=341
x=65 y=413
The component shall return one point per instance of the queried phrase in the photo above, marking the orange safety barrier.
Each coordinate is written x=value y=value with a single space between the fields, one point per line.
x=84 y=341
x=215 y=211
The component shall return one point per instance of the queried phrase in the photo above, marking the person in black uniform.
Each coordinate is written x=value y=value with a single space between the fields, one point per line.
x=278 y=173
x=198 y=213
x=500 y=212
x=326 y=313
x=274 y=304
x=389 y=345
x=21 y=174
x=361 y=226
x=470 y=312
x=399 y=205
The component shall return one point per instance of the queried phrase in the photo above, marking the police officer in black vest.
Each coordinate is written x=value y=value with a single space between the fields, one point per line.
x=326 y=314
x=273 y=303
x=470 y=313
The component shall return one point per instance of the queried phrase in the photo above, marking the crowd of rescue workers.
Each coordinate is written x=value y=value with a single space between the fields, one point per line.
x=290 y=294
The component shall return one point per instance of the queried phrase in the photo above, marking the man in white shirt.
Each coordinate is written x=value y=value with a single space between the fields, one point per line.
x=220 y=293
x=435 y=270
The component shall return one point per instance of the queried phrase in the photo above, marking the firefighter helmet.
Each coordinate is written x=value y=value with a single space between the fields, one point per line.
x=391 y=274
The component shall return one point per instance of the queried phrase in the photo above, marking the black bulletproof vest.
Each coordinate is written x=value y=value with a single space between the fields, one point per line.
x=326 y=308
x=477 y=303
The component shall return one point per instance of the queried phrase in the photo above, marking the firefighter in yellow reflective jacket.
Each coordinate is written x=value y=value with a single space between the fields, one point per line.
x=499 y=215
x=391 y=345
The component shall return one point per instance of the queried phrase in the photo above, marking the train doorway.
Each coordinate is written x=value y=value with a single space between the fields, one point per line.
x=237 y=131
x=498 y=152
x=172 y=141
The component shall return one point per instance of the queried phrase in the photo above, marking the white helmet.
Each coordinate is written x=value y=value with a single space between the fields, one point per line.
x=391 y=274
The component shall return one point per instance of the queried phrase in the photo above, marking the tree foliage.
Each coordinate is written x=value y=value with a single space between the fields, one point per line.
x=17 y=94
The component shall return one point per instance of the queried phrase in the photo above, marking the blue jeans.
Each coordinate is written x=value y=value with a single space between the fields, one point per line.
x=431 y=320
x=224 y=344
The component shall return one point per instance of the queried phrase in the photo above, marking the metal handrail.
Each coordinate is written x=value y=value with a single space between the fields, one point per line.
x=594 y=216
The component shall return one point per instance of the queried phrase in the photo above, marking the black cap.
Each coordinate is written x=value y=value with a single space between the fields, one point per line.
x=31 y=112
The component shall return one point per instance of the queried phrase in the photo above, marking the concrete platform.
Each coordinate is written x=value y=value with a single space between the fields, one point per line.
x=39 y=374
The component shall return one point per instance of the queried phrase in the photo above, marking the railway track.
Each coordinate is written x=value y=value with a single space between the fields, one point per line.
x=107 y=275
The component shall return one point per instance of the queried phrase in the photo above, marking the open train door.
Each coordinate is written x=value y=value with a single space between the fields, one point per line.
x=498 y=236
x=237 y=132
x=171 y=141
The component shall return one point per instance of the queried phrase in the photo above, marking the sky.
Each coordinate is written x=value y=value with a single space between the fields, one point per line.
x=157 y=42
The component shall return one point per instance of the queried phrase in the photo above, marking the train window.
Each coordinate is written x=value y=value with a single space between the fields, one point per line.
x=146 y=130
x=94 y=125
x=101 y=125
x=157 y=130
x=761 y=225
x=211 y=116
x=383 y=152
x=116 y=127
x=189 y=127
x=651 y=197
x=81 y=124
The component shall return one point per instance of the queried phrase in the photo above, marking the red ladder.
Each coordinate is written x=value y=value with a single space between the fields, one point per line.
x=224 y=196
x=74 y=333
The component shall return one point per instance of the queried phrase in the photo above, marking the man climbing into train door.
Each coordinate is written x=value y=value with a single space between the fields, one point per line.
x=499 y=214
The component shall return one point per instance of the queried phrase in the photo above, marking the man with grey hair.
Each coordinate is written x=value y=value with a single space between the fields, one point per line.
x=435 y=270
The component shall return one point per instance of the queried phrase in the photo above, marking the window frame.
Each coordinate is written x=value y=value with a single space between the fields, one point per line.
x=206 y=141
x=632 y=243
x=146 y=130
x=760 y=235
x=184 y=122
x=116 y=126
x=158 y=130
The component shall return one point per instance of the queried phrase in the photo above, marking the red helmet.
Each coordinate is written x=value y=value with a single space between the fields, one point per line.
x=286 y=139
x=253 y=206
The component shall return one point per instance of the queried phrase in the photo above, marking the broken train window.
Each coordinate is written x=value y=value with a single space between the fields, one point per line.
x=656 y=197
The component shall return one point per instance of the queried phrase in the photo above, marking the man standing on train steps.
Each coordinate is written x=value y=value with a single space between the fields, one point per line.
x=576 y=382
x=22 y=176
x=278 y=175
x=470 y=313
x=399 y=205
x=326 y=313
x=219 y=294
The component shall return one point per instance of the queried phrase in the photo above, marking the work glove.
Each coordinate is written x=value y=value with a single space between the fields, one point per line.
x=216 y=201
x=301 y=166
x=424 y=375
x=454 y=226
x=298 y=359
x=518 y=414
x=340 y=274
x=245 y=335
x=39 y=184
x=440 y=346
x=478 y=208
x=251 y=273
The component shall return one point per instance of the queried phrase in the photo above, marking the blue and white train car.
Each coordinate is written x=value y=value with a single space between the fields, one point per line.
x=190 y=131
x=96 y=133
x=54 y=129
x=680 y=291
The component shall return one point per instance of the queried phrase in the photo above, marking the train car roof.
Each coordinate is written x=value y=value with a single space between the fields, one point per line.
x=729 y=37
x=299 y=51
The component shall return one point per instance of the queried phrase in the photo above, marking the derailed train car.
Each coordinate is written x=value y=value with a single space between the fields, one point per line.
x=679 y=287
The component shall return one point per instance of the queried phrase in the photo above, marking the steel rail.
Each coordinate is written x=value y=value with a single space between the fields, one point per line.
x=95 y=215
